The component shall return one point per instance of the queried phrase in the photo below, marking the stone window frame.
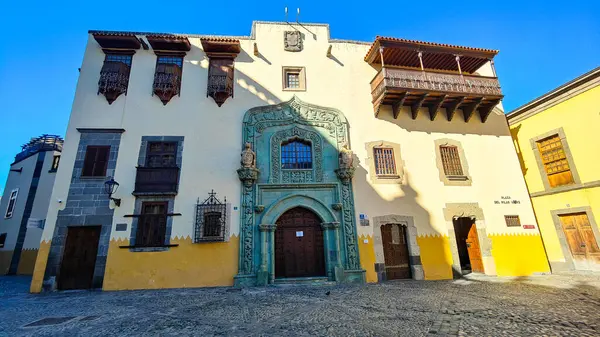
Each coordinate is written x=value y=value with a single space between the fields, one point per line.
x=146 y=140
x=465 y=179
x=569 y=263
x=560 y=132
x=398 y=162
x=134 y=223
x=414 y=251
x=285 y=70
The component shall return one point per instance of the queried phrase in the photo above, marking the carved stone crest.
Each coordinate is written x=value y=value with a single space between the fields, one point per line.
x=292 y=40
x=248 y=157
x=345 y=157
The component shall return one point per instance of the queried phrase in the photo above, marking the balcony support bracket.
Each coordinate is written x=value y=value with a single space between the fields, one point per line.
x=433 y=108
x=397 y=106
x=484 y=113
x=417 y=105
x=451 y=109
x=468 y=110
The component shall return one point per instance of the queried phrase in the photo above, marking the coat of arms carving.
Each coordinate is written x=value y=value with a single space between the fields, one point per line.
x=292 y=40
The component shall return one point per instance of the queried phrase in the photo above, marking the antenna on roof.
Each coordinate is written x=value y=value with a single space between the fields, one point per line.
x=286 y=20
x=297 y=14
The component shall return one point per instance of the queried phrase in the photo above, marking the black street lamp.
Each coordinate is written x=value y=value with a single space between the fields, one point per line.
x=110 y=188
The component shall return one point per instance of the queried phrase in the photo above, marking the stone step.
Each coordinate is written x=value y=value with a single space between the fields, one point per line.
x=303 y=281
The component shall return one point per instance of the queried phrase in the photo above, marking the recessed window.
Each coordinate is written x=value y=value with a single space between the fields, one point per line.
x=385 y=164
x=451 y=160
x=512 y=221
x=118 y=58
x=161 y=154
x=152 y=225
x=55 y=162
x=167 y=77
x=2 y=240
x=96 y=161
x=176 y=60
x=555 y=161
x=296 y=154
x=211 y=220
x=12 y=200
x=294 y=79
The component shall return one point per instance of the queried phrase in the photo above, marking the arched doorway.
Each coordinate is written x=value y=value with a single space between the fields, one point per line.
x=299 y=244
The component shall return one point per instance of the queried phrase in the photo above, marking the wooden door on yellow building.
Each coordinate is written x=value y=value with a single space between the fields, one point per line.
x=395 y=251
x=581 y=239
x=474 y=250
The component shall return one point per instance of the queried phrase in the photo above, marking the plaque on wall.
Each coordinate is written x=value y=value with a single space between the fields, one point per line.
x=292 y=40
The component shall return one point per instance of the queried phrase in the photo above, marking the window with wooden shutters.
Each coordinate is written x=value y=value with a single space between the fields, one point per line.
x=96 y=161
x=555 y=161
x=512 y=221
x=114 y=75
x=451 y=160
x=152 y=224
x=220 y=79
x=385 y=164
x=161 y=154
x=167 y=76
x=12 y=201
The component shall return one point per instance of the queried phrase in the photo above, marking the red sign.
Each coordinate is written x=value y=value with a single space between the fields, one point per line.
x=528 y=226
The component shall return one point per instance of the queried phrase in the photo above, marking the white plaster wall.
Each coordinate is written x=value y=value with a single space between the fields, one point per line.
x=22 y=181
x=213 y=135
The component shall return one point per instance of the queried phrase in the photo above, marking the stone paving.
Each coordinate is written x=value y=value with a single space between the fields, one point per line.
x=554 y=305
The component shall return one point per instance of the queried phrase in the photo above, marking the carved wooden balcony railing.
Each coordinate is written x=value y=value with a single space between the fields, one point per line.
x=220 y=87
x=167 y=82
x=114 y=79
x=415 y=88
x=156 y=180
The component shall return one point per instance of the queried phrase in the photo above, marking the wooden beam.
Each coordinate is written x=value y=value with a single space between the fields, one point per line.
x=417 y=105
x=452 y=108
x=256 y=49
x=377 y=108
x=484 y=113
x=397 y=106
x=433 y=108
x=468 y=110
x=329 y=51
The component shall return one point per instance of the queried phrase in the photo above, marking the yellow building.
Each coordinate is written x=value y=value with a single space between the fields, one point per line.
x=555 y=139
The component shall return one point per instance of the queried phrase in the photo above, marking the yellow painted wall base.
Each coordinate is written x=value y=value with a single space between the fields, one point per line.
x=367 y=257
x=40 y=267
x=27 y=261
x=185 y=266
x=436 y=257
x=519 y=255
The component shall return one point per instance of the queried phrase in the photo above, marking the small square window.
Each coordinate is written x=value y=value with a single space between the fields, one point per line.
x=294 y=79
x=512 y=221
x=55 y=162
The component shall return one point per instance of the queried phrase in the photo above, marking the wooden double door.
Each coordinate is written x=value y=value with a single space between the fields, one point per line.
x=79 y=258
x=582 y=242
x=299 y=248
x=395 y=251
x=467 y=240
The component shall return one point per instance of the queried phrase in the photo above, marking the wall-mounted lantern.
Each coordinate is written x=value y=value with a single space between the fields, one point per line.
x=110 y=188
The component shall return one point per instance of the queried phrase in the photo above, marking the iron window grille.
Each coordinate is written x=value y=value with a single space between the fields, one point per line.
x=211 y=220
x=385 y=164
x=296 y=154
x=451 y=160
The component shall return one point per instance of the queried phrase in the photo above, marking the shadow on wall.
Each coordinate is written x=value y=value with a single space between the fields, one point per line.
x=514 y=131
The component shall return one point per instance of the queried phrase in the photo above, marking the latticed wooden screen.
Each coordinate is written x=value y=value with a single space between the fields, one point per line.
x=555 y=161
x=451 y=160
x=384 y=161
x=512 y=221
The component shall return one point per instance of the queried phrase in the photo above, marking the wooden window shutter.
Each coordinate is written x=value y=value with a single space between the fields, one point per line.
x=96 y=161
x=451 y=160
x=555 y=161
x=152 y=225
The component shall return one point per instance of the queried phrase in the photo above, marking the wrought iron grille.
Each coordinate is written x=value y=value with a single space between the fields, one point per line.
x=451 y=160
x=296 y=154
x=211 y=219
x=385 y=164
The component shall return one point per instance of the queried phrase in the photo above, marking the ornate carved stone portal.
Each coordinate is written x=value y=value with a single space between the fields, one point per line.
x=324 y=187
x=292 y=40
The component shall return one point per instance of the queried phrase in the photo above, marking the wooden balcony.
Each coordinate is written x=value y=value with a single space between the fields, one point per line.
x=156 y=181
x=399 y=87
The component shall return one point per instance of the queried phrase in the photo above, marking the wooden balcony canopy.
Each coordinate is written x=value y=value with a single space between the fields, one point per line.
x=169 y=42
x=115 y=40
x=221 y=47
x=405 y=53
x=433 y=76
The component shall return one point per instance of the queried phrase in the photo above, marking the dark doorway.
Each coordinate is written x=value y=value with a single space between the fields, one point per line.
x=79 y=258
x=299 y=244
x=467 y=242
x=395 y=251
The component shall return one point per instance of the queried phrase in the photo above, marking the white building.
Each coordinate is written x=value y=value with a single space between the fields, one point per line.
x=364 y=162
x=25 y=203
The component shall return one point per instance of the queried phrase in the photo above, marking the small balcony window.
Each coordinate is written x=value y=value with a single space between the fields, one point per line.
x=167 y=77
x=160 y=175
x=114 y=76
x=220 y=79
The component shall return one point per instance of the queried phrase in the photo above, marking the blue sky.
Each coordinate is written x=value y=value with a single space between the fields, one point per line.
x=542 y=43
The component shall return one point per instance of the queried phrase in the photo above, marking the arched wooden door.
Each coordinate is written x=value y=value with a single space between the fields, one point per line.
x=299 y=244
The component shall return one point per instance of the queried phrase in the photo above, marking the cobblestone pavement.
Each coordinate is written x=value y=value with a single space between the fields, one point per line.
x=555 y=305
